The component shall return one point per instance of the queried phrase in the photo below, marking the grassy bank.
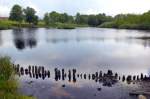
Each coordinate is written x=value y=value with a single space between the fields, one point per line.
x=61 y=25
x=8 y=84
x=129 y=21
x=7 y=24
x=140 y=26
x=58 y=25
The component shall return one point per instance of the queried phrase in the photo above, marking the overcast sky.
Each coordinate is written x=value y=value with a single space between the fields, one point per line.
x=110 y=7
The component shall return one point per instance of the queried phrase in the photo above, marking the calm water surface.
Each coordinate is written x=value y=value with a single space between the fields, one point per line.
x=86 y=49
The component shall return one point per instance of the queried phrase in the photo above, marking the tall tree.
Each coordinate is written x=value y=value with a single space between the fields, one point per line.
x=36 y=18
x=30 y=15
x=92 y=20
x=64 y=18
x=16 y=13
x=81 y=19
x=54 y=17
x=46 y=19
x=77 y=20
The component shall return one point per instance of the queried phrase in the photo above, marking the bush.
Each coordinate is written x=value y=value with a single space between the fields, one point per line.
x=8 y=85
x=6 y=69
x=65 y=26
x=108 y=25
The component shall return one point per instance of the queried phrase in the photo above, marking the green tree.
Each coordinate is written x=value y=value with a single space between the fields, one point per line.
x=81 y=19
x=30 y=15
x=63 y=18
x=70 y=19
x=46 y=19
x=36 y=19
x=16 y=13
x=78 y=18
x=54 y=17
x=92 y=20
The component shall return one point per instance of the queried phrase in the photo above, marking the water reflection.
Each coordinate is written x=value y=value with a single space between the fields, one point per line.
x=81 y=47
x=28 y=38
x=24 y=38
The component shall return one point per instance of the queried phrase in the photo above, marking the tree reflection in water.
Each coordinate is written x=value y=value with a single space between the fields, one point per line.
x=24 y=38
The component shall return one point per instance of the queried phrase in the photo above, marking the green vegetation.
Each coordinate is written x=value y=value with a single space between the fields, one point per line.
x=16 y=13
x=129 y=21
x=88 y=20
x=8 y=84
x=30 y=16
x=20 y=17
x=65 y=26
x=8 y=24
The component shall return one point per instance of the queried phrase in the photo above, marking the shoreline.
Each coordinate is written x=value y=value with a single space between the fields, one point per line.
x=7 y=24
x=68 y=28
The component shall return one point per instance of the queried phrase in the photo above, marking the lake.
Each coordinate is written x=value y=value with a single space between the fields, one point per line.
x=88 y=50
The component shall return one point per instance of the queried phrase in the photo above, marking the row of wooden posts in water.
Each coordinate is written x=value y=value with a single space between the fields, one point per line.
x=108 y=79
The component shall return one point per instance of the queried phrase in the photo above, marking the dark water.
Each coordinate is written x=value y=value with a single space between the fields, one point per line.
x=86 y=49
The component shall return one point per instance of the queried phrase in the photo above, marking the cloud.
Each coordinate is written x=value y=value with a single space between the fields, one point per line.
x=110 y=7
x=6 y=6
x=33 y=5
x=89 y=11
x=4 y=10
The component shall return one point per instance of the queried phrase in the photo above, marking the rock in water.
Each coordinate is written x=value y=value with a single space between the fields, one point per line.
x=141 y=97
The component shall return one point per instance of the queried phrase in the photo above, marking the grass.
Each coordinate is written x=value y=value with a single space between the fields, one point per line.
x=7 y=24
x=126 y=25
x=65 y=26
x=8 y=84
x=61 y=25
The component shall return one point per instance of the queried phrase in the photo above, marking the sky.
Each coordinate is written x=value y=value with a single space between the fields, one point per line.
x=110 y=7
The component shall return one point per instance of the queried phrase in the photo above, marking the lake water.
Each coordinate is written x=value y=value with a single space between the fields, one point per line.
x=86 y=49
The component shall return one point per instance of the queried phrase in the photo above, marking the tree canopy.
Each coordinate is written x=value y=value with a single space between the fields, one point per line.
x=30 y=16
x=130 y=21
x=92 y=20
x=16 y=13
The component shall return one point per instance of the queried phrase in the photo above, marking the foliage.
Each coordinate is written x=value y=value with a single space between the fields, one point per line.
x=81 y=19
x=63 y=20
x=30 y=15
x=129 y=21
x=5 y=24
x=6 y=69
x=55 y=17
x=16 y=13
x=8 y=84
x=92 y=20
x=65 y=26
x=19 y=15
x=46 y=19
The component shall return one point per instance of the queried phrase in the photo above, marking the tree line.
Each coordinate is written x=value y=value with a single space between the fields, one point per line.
x=129 y=21
x=28 y=14
x=19 y=14
x=91 y=20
